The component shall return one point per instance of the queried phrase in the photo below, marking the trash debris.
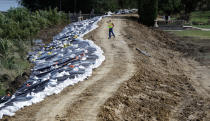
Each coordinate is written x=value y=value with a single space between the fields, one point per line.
x=143 y=52
x=126 y=11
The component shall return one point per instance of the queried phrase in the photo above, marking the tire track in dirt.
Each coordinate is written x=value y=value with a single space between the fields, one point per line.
x=82 y=101
x=122 y=69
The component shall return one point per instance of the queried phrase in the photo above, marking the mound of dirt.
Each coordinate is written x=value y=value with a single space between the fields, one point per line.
x=161 y=89
x=168 y=86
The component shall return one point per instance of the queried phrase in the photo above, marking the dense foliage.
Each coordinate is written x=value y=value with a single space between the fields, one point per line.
x=20 y=23
x=169 y=6
x=148 y=10
x=100 y=6
x=17 y=28
x=128 y=3
x=189 y=6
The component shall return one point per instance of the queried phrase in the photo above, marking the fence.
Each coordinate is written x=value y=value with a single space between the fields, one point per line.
x=172 y=23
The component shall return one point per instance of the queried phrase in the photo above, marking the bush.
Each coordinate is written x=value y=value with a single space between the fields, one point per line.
x=148 y=10
x=19 y=14
x=18 y=27
x=8 y=62
x=4 y=48
x=20 y=23
x=2 y=91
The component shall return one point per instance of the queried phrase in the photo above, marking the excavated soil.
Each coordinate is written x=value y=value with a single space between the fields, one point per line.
x=83 y=100
x=164 y=80
x=171 y=85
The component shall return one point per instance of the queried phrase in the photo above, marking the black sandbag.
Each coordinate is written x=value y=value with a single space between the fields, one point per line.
x=4 y=99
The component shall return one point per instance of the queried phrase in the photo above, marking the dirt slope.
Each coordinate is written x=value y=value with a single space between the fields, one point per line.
x=83 y=101
x=129 y=86
x=168 y=86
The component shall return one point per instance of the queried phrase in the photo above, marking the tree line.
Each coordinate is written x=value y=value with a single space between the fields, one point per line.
x=99 y=6
x=166 y=6
x=148 y=9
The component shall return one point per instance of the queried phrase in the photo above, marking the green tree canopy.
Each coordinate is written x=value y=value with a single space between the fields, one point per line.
x=128 y=3
x=169 y=6
x=148 y=10
x=188 y=6
x=100 y=6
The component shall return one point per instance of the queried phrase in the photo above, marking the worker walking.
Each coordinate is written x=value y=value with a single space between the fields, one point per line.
x=111 y=26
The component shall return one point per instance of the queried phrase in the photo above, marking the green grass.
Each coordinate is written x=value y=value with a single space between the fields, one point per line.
x=203 y=26
x=200 y=17
x=20 y=23
x=193 y=33
x=2 y=91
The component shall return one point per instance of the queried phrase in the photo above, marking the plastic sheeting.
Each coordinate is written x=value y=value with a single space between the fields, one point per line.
x=126 y=11
x=66 y=61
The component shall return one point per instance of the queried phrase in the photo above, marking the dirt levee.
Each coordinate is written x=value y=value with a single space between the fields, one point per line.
x=165 y=86
x=83 y=100
x=158 y=82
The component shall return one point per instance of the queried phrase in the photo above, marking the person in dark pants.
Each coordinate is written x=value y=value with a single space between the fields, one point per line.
x=111 y=26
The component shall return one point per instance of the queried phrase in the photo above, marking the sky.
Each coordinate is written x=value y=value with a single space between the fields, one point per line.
x=6 y=4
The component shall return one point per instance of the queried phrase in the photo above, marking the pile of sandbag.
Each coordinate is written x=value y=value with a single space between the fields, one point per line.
x=67 y=60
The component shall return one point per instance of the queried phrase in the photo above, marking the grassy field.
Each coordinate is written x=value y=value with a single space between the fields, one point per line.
x=202 y=26
x=200 y=19
x=193 y=33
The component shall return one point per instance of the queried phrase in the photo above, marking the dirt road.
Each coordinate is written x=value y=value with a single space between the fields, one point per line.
x=82 y=101
x=171 y=85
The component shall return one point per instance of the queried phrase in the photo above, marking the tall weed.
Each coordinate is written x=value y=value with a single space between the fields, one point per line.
x=18 y=27
x=4 y=48
x=20 y=23
x=8 y=63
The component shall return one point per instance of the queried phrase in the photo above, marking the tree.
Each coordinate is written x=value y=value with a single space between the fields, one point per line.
x=148 y=10
x=203 y=5
x=128 y=3
x=40 y=4
x=188 y=6
x=85 y=6
x=169 y=6
x=100 y=6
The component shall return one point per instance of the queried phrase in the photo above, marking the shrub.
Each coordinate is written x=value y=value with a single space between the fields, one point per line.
x=8 y=62
x=20 y=23
x=18 y=27
x=19 y=14
x=2 y=90
x=148 y=10
x=4 y=48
